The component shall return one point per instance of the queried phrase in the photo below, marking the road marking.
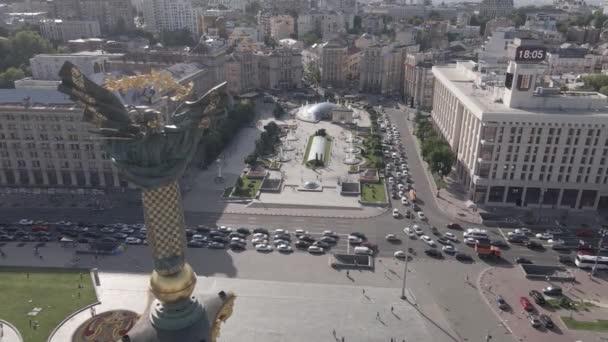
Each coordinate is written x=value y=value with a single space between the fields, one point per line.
x=503 y=235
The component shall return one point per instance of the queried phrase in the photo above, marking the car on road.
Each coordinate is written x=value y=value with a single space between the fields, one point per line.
x=421 y=216
x=244 y=231
x=546 y=321
x=434 y=230
x=359 y=235
x=463 y=257
x=537 y=296
x=132 y=241
x=328 y=239
x=404 y=201
x=196 y=244
x=280 y=231
x=522 y=260
x=499 y=243
x=330 y=233
x=261 y=230
x=552 y=291
x=534 y=321
x=284 y=248
x=308 y=238
x=399 y=255
x=260 y=236
x=238 y=240
x=354 y=240
x=418 y=230
x=302 y=244
x=25 y=222
x=564 y=259
x=428 y=240
x=299 y=232
x=444 y=241
x=433 y=253
x=450 y=236
x=449 y=249
x=391 y=238
x=544 y=236
x=263 y=248
x=584 y=233
x=285 y=237
x=534 y=245
x=216 y=245
x=501 y=302
x=396 y=213
x=525 y=304
x=517 y=239
x=236 y=246
x=470 y=241
x=453 y=225
x=560 y=247
x=315 y=250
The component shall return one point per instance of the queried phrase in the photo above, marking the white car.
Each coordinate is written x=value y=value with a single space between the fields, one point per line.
x=525 y=230
x=470 y=241
x=354 y=239
x=403 y=166
x=315 y=249
x=224 y=229
x=301 y=232
x=391 y=180
x=284 y=248
x=396 y=213
x=260 y=236
x=450 y=236
x=401 y=187
x=280 y=231
x=329 y=233
x=404 y=201
x=25 y=222
x=259 y=241
x=428 y=240
x=448 y=249
x=281 y=242
x=401 y=194
x=392 y=237
x=398 y=174
x=556 y=241
x=198 y=237
x=132 y=241
x=238 y=240
x=421 y=216
x=399 y=254
x=517 y=232
x=263 y=248
x=418 y=230
x=544 y=236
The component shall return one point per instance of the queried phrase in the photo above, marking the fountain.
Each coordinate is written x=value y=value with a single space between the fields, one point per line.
x=351 y=150
x=282 y=157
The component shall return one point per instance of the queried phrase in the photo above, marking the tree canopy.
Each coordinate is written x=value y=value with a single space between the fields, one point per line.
x=16 y=50
x=596 y=82
x=8 y=78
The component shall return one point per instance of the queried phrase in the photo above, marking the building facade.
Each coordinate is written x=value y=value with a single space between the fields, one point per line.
x=519 y=145
x=65 y=30
x=333 y=65
x=172 y=15
x=242 y=73
x=44 y=143
x=47 y=66
x=110 y=14
x=280 y=69
x=281 y=27
x=418 y=80
x=495 y=8
x=381 y=68
x=573 y=60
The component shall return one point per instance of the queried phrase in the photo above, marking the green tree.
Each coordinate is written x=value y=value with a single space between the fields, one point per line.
x=310 y=38
x=429 y=146
x=604 y=90
x=278 y=111
x=8 y=78
x=251 y=159
x=441 y=160
x=595 y=81
x=18 y=49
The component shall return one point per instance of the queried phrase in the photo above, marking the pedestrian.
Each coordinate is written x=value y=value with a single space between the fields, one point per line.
x=347 y=273
x=392 y=309
x=467 y=278
x=27 y=275
x=92 y=310
x=80 y=275
x=40 y=255
x=342 y=338
x=364 y=291
x=378 y=315
x=334 y=332
x=78 y=294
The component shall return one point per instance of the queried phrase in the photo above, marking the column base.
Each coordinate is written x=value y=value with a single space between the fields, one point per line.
x=192 y=320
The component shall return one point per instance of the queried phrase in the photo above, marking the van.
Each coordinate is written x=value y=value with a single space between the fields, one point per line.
x=363 y=251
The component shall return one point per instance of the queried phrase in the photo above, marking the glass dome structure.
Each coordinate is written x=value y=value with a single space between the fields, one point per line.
x=315 y=112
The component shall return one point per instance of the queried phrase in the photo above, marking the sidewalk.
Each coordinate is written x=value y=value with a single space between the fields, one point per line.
x=451 y=201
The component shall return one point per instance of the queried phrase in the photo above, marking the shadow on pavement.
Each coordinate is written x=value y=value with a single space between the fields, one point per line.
x=433 y=322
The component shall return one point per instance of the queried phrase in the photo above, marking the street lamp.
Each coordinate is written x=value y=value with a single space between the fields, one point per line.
x=603 y=233
x=540 y=205
x=407 y=243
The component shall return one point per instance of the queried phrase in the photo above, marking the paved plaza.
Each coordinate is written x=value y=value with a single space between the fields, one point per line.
x=9 y=333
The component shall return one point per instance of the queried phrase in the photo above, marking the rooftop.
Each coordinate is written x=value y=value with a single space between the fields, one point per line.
x=484 y=98
x=44 y=97
x=81 y=53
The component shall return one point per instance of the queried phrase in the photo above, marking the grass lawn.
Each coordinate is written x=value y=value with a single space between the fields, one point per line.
x=599 y=325
x=55 y=291
x=227 y=191
x=245 y=190
x=373 y=192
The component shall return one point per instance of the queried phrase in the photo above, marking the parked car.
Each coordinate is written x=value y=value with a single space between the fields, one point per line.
x=537 y=296
x=449 y=249
x=302 y=244
x=564 y=259
x=261 y=230
x=354 y=240
x=552 y=291
x=522 y=260
x=534 y=245
x=196 y=244
x=534 y=321
x=546 y=321
x=450 y=236
x=463 y=257
x=399 y=255
x=396 y=213
x=391 y=238
x=427 y=239
x=433 y=253
x=501 y=302
x=315 y=250
x=359 y=235
x=263 y=248
x=525 y=303
x=452 y=225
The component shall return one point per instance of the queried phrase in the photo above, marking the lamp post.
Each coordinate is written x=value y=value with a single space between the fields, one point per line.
x=407 y=243
x=603 y=233
x=540 y=204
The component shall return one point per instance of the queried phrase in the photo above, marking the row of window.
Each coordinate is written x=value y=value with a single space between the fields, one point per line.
x=50 y=164
x=42 y=136
x=46 y=146
x=551 y=177
x=33 y=117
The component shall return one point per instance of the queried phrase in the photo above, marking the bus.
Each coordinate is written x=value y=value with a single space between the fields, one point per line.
x=587 y=261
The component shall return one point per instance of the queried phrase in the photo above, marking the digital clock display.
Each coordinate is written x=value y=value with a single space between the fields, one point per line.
x=530 y=54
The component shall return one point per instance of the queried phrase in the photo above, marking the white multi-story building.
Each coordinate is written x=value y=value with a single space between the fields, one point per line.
x=172 y=15
x=65 y=30
x=494 y=51
x=495 y=8
x=333 y=65
x=280 y=69
x=418 y=79
x=381 y=68
x=518 y=145
x=47 y=66
x=45 y=144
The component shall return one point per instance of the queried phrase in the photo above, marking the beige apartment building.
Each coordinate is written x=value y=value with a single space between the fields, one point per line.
x=44 y=143
x=334 y=60
x=522 y=145
x=418 y=79
x=282 y=26
x=280 y=69
x=381 y=68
